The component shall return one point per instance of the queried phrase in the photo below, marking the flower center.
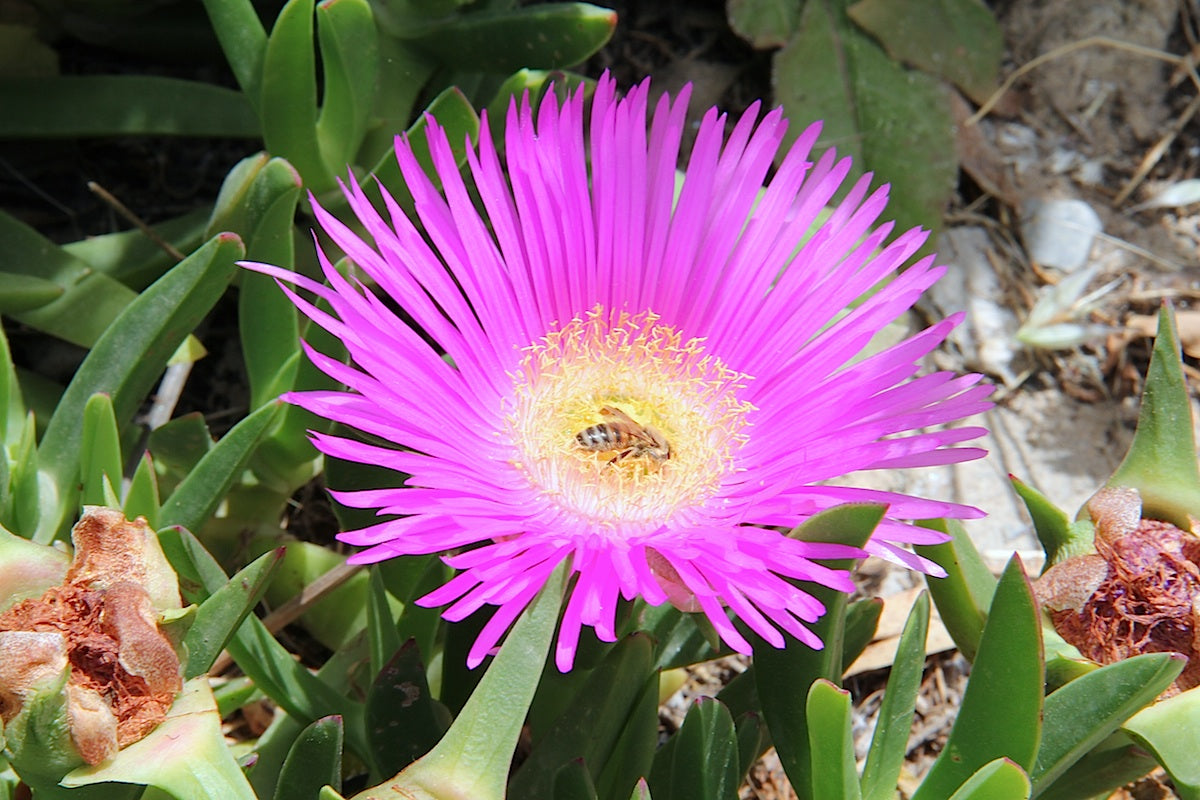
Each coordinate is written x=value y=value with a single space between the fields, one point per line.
x=622 y=422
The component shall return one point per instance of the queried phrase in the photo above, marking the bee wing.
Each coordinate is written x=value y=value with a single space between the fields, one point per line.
x=618 y=415
x=628 y=425
x=655 y=437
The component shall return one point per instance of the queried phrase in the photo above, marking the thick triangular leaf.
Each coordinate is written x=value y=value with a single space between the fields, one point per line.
x=100 y=450
x=1161 y=462
x=404 y=722
x=350 y=58
x=591 y=727
x=1001 y=711
x=219 y=616
x=73 y=106
x=1087 y=710
x=782 y=676
x=890 y=740
x=541 y=36
x=701 y=760
x=126 y=361
x=474 y=757
x=1170 y=729
x=998 y=780
x=315 y=761
x=834 y=776
x=963 y=596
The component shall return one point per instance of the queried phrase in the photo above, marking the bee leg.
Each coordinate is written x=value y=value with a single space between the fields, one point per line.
x=621 y=456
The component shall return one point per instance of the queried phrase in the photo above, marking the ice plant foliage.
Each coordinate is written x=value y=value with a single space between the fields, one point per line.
x=594 y=366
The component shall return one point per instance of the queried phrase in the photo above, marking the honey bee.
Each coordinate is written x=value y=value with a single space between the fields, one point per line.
x=622 y=433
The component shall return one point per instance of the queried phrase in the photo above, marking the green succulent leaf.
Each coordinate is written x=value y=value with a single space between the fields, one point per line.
x=1001 y=711
x=781 y=675
x=12 y=405
x=288 y=100
x=832 y=746
x=89 y=301
x=218 y=617
x=592 y=725
x=997 y=780
x=126 y=361
x=573 y=782
x=633 y=753
x=244 y=40
x=404 y=722
x=764 y=23
x=350 y=56
x=137 y=260
x=455 y=114
x=234 y=694
x=1114 y=763
x=315 y=760
x=232 y=209
x=26 y=292
x=76 y=106
x=543 y=36
x=965 y=47
x=753 y=740
x=268 y=213
x=890 y=740
x=99 y=450
x=142 y=498
x=888 y=118
x=381 y=624
x=23 y=479
x=862 y=620
x=260 y=656
x=196 y=498
x=401 y=75
x=1054 y=530
x=1170 y=730
x=474 y=757
x=267 y=320
x=1087 y=710
x=701 y=760
x=963 y=596
x=1161 y=462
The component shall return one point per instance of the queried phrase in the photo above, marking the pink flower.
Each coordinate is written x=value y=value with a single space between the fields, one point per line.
x=636 y=376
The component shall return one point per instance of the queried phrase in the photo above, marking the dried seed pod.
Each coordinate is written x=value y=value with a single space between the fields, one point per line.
x=86 y=668
x=1139 y=593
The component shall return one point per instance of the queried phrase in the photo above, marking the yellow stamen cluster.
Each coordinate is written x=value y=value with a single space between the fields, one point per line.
x=644 y=368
